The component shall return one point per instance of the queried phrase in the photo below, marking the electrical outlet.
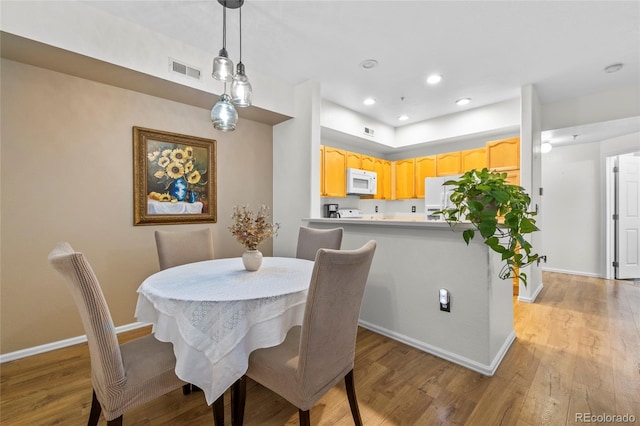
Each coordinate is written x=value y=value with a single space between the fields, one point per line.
x=445 y=300
x=376 y=209
x=413 y=209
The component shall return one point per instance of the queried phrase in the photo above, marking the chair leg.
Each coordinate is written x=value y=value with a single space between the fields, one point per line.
x=218 y=411
x=353 y=401
x=304 y=417
x=115 y=422
x=96 y=409
x=238 y=400
x=186 y=389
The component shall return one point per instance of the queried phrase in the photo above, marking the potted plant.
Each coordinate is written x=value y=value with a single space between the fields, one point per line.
x=499 y=212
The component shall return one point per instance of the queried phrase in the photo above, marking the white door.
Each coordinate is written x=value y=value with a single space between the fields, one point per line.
x=628 y=233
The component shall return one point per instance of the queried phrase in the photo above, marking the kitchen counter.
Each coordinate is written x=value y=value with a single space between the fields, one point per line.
x=406 y=221
x=414 y=259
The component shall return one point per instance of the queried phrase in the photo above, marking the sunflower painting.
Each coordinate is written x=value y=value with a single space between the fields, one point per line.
x=174 y=178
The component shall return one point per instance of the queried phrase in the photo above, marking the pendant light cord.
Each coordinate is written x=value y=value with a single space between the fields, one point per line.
x=240 y=33
x=224 y=27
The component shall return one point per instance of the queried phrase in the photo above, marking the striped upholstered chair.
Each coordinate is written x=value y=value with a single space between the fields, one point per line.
x=123 y=376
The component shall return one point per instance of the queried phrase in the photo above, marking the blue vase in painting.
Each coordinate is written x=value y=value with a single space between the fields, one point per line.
x=178 y=189
x=192 y=196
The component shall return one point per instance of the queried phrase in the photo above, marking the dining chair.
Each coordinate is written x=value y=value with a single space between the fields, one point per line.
x=123 y=376
x=320 y=353
x=310 y=240
x=179 y=248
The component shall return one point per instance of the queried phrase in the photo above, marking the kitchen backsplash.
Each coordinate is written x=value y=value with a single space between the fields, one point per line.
x=385 y=207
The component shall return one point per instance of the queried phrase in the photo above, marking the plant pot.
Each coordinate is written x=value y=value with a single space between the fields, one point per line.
x=252 y=259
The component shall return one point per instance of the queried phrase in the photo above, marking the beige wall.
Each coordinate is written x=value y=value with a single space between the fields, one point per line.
x=66 y=174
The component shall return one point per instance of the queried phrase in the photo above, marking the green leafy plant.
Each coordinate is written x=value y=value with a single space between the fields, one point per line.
x=499 y=212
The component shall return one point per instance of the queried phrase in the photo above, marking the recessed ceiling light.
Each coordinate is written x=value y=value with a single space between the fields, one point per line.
x=367 y=64
x=403 y=117
x=434 y=79
x=613 y=68
x=369 y=101
x=463 y=101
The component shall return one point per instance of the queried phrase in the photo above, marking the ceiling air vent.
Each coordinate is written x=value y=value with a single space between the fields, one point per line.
x=368 y=131
x=183 y=69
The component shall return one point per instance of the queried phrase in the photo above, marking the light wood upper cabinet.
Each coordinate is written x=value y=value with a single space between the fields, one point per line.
x=448 y=163
x=334 y=174
x=513 y=177
x=504 y=154
x=386 y=189
x=354 y=160
x=368 y=163
x=405 y=178
x=425 y=167
x=383 y=169
x=473 y=159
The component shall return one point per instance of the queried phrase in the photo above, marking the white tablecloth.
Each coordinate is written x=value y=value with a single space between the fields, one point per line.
x=167 y=207
x=216 y=313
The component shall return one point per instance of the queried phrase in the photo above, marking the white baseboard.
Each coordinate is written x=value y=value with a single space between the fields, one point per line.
x=533 y=297
x=566 y=271
x=485 y=369
x=23 y=353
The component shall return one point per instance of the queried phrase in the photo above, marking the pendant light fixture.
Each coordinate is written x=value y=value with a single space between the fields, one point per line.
x=222 y=65
x=240 y=87
x=223 y=114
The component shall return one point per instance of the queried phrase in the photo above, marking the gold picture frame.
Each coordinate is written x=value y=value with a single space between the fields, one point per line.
x=174 y=178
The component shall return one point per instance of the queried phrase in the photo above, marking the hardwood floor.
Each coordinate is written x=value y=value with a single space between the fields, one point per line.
x=577 y=351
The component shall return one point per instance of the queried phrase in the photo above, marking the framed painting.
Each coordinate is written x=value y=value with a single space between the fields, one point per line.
x=174 y=178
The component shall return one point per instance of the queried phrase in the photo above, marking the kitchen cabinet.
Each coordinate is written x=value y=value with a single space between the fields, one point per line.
x=424 y=167
x=504 y=154
x=383 y=169
x=473 y=159
x=405 y=178
x=513 y=177
x=334 y=172
x=448 y=164
x=354 y=160
x=368 y=163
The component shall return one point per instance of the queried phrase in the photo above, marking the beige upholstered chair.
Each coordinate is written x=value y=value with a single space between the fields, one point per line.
x=310 y=240
x=318 y=354
x=123 y=376
x=179 y=248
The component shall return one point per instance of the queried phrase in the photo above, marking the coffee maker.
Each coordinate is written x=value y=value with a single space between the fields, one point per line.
x=331 y=210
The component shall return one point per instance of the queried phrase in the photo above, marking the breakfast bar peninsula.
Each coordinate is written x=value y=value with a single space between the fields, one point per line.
x=415 y=259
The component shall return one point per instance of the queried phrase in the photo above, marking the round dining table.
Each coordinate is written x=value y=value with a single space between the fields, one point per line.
x=215 y=313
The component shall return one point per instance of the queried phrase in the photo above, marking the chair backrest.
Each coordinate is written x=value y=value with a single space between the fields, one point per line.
x=107 y=371
x=178 y=248
x=330 y=325
x=310 y=240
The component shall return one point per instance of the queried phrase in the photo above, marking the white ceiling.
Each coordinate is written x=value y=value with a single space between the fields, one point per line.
x=485 y=50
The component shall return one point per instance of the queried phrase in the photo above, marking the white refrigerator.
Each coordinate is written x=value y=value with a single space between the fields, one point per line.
x=436 y=195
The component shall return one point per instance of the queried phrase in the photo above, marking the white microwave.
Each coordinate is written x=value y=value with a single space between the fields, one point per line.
x=361 y=182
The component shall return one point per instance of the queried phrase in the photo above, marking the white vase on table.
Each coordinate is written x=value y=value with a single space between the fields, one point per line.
x=252 y=259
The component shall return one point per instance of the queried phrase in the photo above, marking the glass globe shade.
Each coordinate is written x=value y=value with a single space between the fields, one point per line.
x=222 y=67
x=223 y=115
x=241 y=92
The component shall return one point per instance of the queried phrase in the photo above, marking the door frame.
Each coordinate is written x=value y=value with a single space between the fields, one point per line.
x=610 y=182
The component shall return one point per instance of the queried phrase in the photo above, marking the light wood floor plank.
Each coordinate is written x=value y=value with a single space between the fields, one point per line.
x=577 y=351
